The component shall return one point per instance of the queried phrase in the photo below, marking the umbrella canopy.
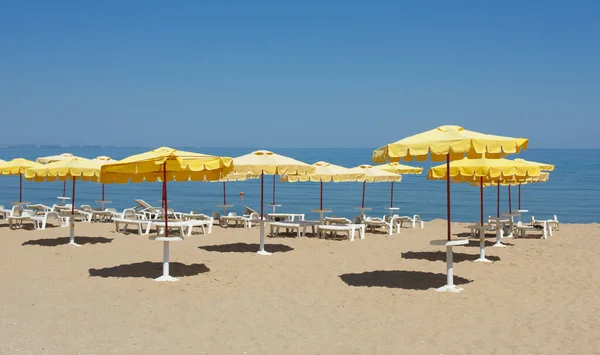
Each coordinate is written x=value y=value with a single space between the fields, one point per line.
x=326 y=172
x=2 y=161
x=166 y=164
x=268 y=163
x=449 y=141
x=398 y=168
x=544 y=177
x=263 y=162
x=55 y=158
x=17 y=166
x=542 y=166
x=467 y=170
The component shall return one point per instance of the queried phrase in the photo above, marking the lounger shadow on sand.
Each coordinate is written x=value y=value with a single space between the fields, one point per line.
x=246 y=248
x=54 y=242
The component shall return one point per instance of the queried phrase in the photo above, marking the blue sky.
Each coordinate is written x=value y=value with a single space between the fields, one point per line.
x=297 y=73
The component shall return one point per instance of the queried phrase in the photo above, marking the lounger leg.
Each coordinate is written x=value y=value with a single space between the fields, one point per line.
x=262 y=250
x=165 y=276
x=351 y=234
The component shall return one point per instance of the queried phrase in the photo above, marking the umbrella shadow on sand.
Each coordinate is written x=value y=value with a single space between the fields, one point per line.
x=149 y=270
x=441 y=256
x=54 y=242
x=409 y=280
x=246 y=248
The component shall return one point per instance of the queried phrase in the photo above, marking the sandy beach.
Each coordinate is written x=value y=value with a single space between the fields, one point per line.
x=312 y=296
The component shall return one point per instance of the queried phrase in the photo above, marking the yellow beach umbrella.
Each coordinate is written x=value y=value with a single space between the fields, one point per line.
x=542 y=166
x=17 y=166
x=263 y=162
x=372 y=174
x=68 y=169
x=326 y=172
x=398 y=168
x=55 y=158
x=166 y=164
x=544 y=177
x=448 y=143
x=484 y=170
x=2 y=161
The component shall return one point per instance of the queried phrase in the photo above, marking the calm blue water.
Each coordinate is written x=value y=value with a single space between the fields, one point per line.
x=573 y=192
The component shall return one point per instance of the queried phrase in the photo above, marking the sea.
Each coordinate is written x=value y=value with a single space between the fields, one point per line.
x=572 y=192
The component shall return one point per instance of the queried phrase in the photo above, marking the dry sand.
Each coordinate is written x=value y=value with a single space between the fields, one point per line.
x=312 y=296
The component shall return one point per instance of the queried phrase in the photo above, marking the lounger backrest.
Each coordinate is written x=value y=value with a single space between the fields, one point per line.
x=16 y=211
x=338 y=220
x=216 y=215
x=87 y=208
x=249 y=210
x=142 y=204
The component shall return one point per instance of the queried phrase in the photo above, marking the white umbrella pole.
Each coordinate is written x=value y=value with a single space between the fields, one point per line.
x=72 y=218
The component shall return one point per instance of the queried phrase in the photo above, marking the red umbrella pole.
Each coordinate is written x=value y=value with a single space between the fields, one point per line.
x=481 y=198
x=519 y=196
x=262 y=190
x=64 y=188
x=392 y=196
x=321 y=197
x=363 y=194
x=273 y=189
x=20 y=187
x=224 y=193
x=164 y=187
x=509 y=200
x=73 y=198
x=448 y=193
x=498 y=202
x=103 y=192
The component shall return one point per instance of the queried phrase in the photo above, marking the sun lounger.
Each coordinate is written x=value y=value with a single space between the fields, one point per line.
x=209 y=221
x=301 y=226
x=334 y=225
x=400 y=220
x=92 y=215
x=522 y=229
x=40 y=220
x=18 y=216
x=232 y=217
x=142 y=224
x=376 y=222
x=553 y=223
x=151 y=212
x=185 y=227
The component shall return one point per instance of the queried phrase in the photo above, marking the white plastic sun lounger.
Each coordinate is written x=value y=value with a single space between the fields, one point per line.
x=142 y=224
x=185 y=227
x=207 y=220
x=400 y=220
x=522 y=229
x=334 y=225
x=553 y=223
x=376 y=222
x=301 y=226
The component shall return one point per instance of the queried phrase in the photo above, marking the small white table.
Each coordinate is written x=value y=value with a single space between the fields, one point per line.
x=392 y=209
x=321 y=213
x=449 y=287
x=102 y=203
x=499 y=222
x=20 y=203
x=482 y=230
x=362 y=210
x=64 y=199
x=225 y=207
x=166 y=240
x=274 y=206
